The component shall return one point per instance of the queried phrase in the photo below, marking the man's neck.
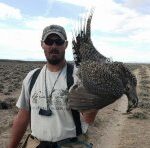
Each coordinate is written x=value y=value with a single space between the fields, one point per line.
x=55 y=68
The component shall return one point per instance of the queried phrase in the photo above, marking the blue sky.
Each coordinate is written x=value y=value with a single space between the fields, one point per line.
x=120 y=28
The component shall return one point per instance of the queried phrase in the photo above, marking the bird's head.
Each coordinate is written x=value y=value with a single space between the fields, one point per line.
x=130 y=84
x=130 y=91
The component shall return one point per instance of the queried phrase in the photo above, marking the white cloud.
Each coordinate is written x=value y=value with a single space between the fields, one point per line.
x=83 y=3
x=127 y=25
x=143 y=37
x=136 y=3
x=8 y=12
x=19 y=43
x=40 y=22
x=123 y=54
x=24 y=43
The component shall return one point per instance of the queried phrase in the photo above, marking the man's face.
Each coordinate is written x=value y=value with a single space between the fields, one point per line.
x=54 y=49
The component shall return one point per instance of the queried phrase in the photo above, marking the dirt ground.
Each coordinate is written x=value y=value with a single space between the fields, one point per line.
x=113 y=127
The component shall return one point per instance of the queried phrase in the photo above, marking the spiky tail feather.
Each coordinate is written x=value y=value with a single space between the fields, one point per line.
x=83 y=35
x=83 y=48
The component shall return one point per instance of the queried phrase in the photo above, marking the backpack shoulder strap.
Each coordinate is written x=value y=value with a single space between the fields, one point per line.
x=70 y=79
x=33 y=79
x=75 y=113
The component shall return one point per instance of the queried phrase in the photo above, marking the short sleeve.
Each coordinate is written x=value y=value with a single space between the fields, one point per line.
x=24 y=98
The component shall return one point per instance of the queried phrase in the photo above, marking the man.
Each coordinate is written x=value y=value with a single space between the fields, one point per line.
x=52 y=121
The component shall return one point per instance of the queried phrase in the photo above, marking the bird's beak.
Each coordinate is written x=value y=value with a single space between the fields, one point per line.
x=132 y=98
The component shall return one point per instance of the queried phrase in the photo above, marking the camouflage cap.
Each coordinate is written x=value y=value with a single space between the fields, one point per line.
x=54 y=29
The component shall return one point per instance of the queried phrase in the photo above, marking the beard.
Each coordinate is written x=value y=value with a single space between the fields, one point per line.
x=55 y=59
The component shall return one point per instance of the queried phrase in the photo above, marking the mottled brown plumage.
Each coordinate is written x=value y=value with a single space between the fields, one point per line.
x=98 y=82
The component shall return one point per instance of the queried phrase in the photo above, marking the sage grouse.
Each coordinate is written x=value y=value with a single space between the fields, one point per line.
x=97 y=82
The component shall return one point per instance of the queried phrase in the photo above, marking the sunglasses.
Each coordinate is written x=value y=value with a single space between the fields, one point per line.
x=50 y=42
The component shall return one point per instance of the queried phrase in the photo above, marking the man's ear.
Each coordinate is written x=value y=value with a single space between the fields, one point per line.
x=42 y=44
x=66 y=44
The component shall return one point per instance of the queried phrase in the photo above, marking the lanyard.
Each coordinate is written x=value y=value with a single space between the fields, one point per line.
x=52 y=90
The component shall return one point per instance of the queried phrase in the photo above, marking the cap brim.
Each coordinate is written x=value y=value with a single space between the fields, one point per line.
x=53 y=32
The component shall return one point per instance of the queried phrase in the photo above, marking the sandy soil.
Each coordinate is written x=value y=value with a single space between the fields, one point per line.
x=113 y=128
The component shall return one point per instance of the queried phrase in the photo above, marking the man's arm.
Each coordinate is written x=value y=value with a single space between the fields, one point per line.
x=89 y=116
x=19 y=127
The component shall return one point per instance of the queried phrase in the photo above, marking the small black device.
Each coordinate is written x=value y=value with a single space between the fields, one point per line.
x=44 y=112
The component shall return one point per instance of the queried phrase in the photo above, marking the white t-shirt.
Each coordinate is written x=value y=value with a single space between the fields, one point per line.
x=60 y=124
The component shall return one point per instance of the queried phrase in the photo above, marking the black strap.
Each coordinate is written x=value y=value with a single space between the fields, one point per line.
x=70 y=81
x=75 y=113
x=33 y=79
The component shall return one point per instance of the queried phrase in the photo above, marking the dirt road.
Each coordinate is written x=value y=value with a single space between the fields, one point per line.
x=111 y=119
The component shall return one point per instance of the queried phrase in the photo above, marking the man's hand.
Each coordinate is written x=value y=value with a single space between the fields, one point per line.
x=89 y=115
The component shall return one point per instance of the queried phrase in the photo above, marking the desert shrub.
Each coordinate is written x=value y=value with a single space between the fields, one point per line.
x=5 y=92
x=13 y=73
x=146 y=99
x=6 y=78
x=1 y=86
x=143 y=94
x=145 y=82
x=146 y=90
x=133 y=67
x=145 y=77
x=3 y=105
x=10 y=88
x=11 y=100
x=144 y=87
x=8 y=103
x=144 y=105
x=138 y=115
